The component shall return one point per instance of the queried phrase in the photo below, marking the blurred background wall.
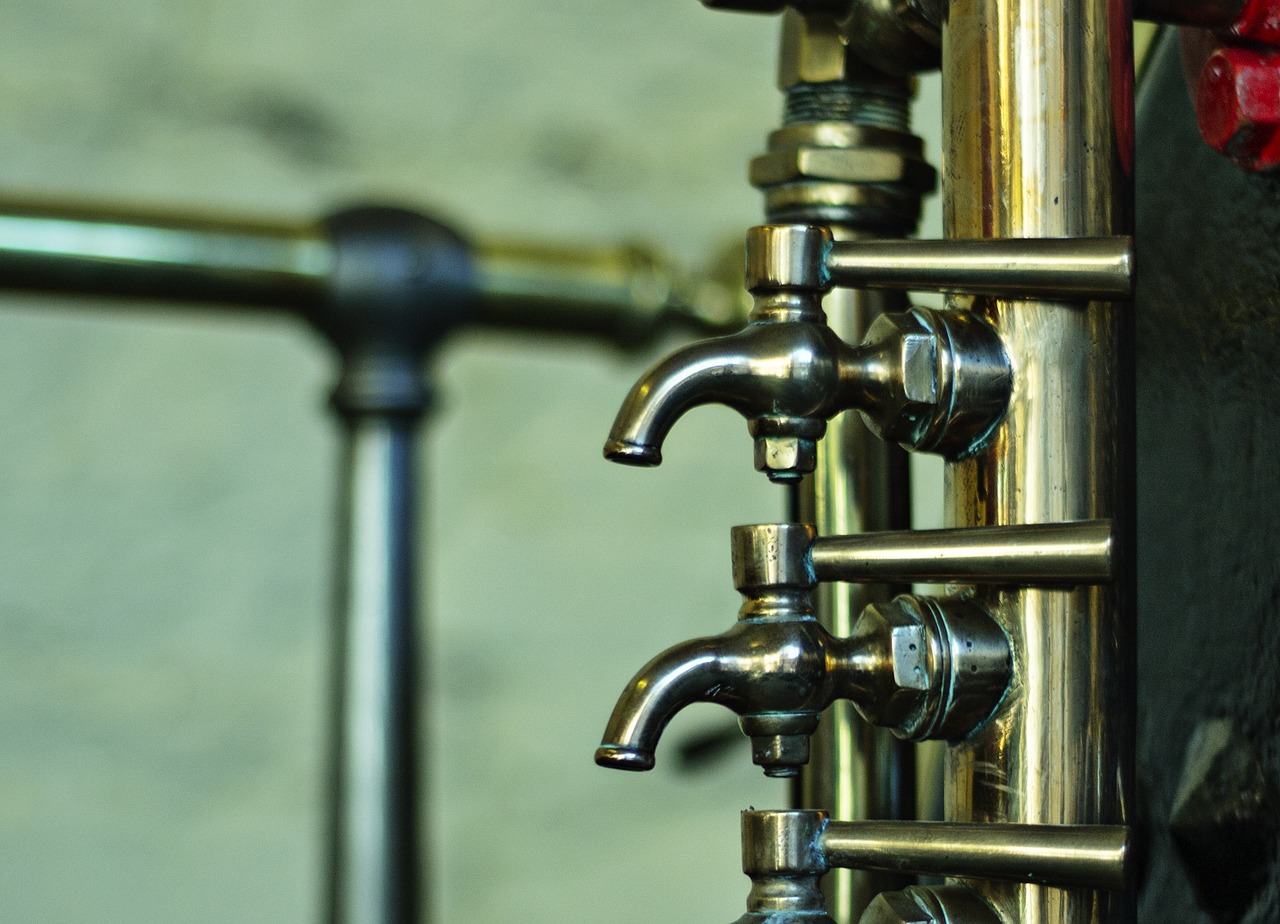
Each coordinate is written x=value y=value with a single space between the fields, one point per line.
x=167 y=477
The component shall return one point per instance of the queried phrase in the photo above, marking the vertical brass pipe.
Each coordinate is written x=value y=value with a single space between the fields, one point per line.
x=855 y=771
x=375 y=874
x=1037 y=112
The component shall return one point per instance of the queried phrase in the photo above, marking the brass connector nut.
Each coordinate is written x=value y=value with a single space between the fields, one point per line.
x=838 y=168
x=842 y=153
x=861 y=165
x=837 y=202
x=917 y=395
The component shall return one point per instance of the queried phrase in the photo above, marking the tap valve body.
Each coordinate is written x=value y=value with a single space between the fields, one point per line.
x=934 y=381
x=925 y=668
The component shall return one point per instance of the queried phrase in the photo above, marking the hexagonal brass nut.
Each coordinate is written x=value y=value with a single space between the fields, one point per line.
x=894 y=636
x=785 y=458
x=843 y=165
x=813 y=51
x=910 y=400
x=896 y=908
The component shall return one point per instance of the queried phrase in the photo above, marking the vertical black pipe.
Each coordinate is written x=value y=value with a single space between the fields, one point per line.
x=400 y=283
x=375 y=873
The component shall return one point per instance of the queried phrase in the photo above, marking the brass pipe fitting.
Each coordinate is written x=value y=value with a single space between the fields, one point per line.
x=924 y=668
x=929 y=380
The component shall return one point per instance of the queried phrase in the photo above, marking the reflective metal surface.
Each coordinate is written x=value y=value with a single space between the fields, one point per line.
x=893 y=36
x=375 y=873
x=1043 y=553
x=776 y=668
x=627 y=293
x=935 y=668
x=925 y=668
x=949 y=904
x=1088 y=856
x=101 y=252
x=926 y=379
x=1071 y=268
x=787 y=378
x=860 y=484
x=780 y=853
x=784 y=852
x=1038 y=144
x=846 y=139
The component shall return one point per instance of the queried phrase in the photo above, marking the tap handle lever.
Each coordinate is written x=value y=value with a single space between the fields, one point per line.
x=786 y=853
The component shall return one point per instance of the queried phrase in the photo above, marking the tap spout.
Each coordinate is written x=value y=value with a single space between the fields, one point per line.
x=692 y=672
x=776 y=675
x=786 y=379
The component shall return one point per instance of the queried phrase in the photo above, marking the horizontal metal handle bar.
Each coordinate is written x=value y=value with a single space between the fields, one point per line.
x=1043 y=553
x=1089 y=856
x=625 y=292
x=1067 y=268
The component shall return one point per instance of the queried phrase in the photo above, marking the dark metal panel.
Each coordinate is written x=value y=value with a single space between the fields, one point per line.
x=1208 y=333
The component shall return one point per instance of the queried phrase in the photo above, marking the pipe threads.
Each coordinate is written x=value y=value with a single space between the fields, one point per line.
x=877 y=105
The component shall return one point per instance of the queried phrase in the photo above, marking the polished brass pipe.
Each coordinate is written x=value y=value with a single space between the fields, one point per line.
x=1037 y=112
x=1040 y=553
x=1071 y=268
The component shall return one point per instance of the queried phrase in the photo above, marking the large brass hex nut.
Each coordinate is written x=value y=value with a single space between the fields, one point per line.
x=844 y=153
x=947 y=904
x=876 y=173
x=842 y=165
x=894 y=638
x=896 y=908
x=933 y=668
x=910 y=399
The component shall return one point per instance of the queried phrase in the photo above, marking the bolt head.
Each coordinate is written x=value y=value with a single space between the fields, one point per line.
x=1258 y=21
x=1238 y=106
x=911 y=400
x=780 y=756
x=896 y=908
x=785 y=458
x=893 y=634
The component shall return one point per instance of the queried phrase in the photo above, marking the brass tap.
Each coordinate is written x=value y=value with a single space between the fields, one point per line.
x=926 y=668
x=930 y=380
